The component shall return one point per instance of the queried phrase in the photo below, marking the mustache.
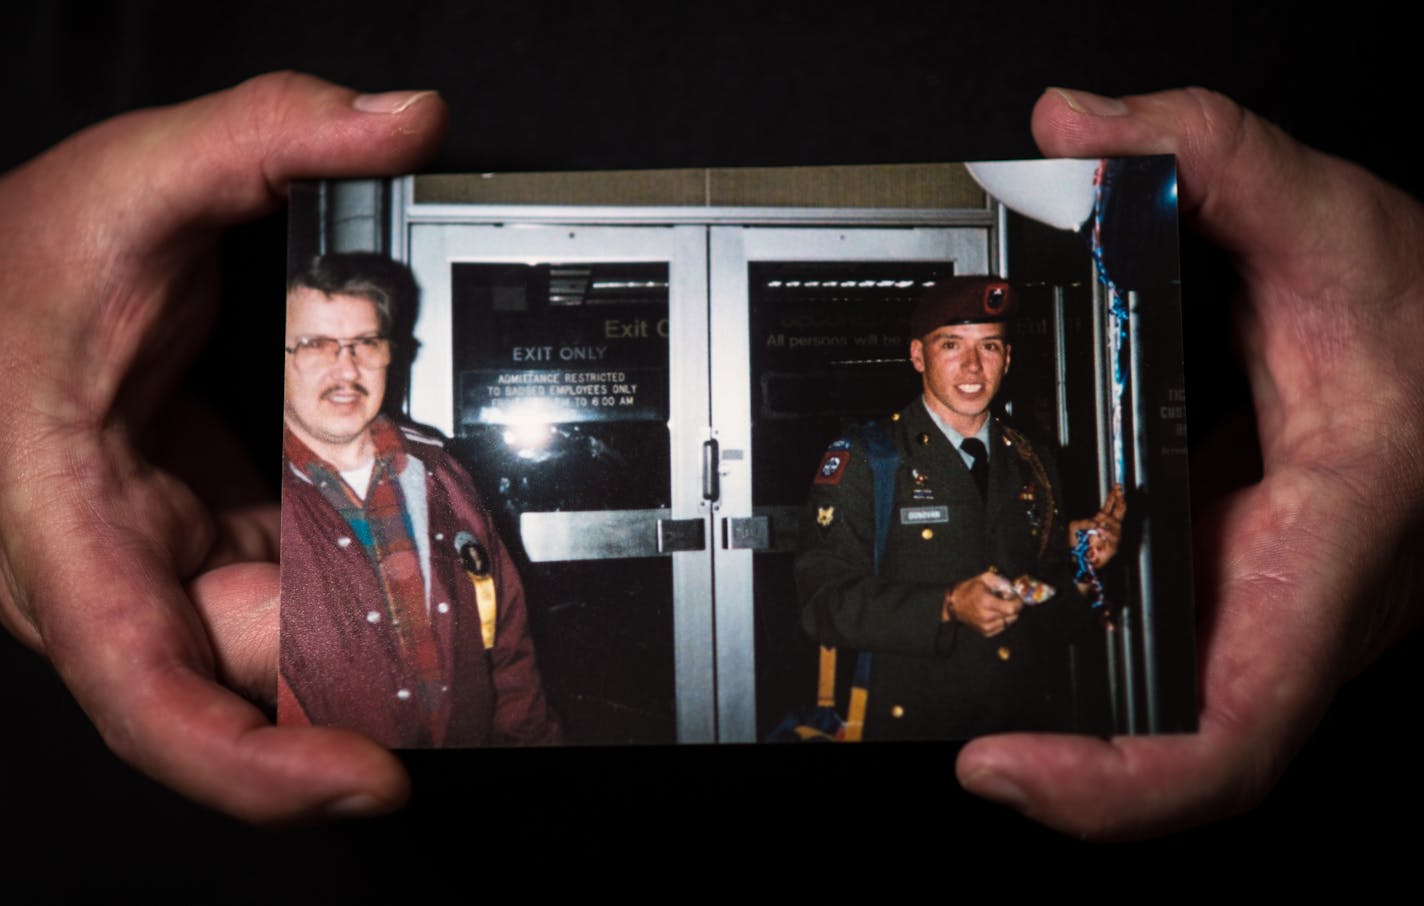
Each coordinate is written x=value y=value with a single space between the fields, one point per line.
x=345 y=388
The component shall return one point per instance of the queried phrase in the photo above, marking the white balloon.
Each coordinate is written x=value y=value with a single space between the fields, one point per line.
x=1059 y=193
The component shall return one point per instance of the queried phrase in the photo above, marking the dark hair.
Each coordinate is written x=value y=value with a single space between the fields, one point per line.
x=364 y=274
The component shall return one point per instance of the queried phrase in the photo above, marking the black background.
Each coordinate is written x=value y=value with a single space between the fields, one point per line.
x=598 y=87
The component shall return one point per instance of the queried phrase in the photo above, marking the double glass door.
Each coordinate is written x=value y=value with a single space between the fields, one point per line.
x=642 y=408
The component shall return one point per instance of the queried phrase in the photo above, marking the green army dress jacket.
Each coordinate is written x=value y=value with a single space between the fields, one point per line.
x=933 y=680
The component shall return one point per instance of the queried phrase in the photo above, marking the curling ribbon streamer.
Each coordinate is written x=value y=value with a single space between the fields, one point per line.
x=1117 y=325
x=1086 y=573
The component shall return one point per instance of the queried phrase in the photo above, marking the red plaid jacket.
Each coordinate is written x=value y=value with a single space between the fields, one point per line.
x=340 y=666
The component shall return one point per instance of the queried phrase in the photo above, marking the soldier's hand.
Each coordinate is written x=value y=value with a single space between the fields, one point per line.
x=986 y=602
x=1288 y=592
x=152 y=597
x=1104 y=529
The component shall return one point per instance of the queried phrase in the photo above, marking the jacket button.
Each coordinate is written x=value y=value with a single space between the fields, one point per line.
x=923 y=440
x=927 y=534
x=1004 y=652
x=895 y=417
x=373 y=617
x=897 y=712
x=403 y=694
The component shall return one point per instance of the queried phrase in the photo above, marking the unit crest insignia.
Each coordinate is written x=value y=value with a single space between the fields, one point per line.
x=832 y=465
x=825 y=515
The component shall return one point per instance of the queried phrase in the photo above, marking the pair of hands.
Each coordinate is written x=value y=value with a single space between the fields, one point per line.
x=109 y=283
x=989 y=603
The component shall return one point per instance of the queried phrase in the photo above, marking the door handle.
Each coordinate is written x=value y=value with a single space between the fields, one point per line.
x=681 y=535
x=711 y=480
x=751 y=533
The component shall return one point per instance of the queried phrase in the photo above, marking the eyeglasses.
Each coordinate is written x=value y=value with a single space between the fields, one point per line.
x=319 y=353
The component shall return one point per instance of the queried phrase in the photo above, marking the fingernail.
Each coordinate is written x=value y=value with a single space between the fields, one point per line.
x=1091 y=104
x=992 y=785
x=357 y=805
x=387 y=101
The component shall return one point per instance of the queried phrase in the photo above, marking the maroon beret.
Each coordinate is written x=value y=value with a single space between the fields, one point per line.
x=962 y=300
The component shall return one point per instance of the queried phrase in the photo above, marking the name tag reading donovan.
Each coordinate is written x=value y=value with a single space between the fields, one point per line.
x=913 y=515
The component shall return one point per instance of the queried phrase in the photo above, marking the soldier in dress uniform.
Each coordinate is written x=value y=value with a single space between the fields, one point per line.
x=976 y=603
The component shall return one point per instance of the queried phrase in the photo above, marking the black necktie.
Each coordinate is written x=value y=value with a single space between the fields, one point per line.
x=980 y=468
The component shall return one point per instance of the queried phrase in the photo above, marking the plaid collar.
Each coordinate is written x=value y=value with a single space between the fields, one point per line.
x=385 y=437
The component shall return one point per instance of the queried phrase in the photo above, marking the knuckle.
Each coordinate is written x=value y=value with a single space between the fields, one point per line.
x=1215 y=112
x=1217 y=127
x=273 y=87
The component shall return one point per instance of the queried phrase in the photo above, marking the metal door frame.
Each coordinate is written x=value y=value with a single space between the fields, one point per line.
x=434 y=247
x=707 y=251
x=732 y=249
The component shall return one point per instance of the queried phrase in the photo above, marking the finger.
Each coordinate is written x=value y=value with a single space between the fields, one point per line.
x=246 y=535
x=1240 y=177
x=997 y=585
x=1115 y=507
x=136 y=657
x=1080 y=785
x=238 y=607
x=1247 y=185
x=1005 y=607
x=1256 y=708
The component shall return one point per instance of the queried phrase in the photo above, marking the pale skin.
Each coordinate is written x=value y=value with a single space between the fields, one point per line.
x=172 y=634
x=1305 y=576
x=169 y=635
x=963 y=366
x=331 y=409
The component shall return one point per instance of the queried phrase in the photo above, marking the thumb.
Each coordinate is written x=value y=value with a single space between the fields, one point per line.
x=100 y=239
x=229 y=156
x=997 y=584
x=1332 y=257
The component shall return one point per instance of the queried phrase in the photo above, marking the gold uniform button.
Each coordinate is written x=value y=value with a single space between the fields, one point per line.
x=897 y=712
x=1004 y=652
x=923 y=439
x=927 y=534
x=895 y=417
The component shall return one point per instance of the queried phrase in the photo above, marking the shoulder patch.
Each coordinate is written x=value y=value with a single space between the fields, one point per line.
x=833 y=466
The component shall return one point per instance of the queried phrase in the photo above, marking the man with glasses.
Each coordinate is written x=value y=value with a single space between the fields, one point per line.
x=402 y=615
